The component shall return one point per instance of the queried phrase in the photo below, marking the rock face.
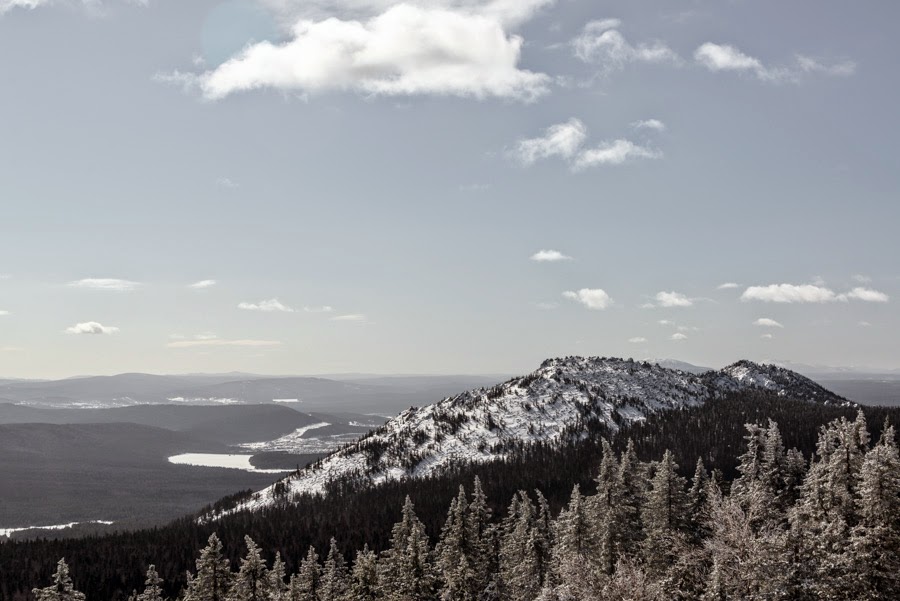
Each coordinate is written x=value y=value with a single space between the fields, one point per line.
x=563 y=399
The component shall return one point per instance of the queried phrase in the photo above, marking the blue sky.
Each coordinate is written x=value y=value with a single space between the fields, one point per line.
x=366 y=186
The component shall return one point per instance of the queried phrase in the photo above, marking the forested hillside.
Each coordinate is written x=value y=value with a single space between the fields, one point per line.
x=112 y=567
x=782 y=530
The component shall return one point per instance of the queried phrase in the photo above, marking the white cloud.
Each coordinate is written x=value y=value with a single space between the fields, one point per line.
x=600 y=43
x=404 y=50
x=767 y=323
x=789 y=293
x=350 y=317
x=724 y=57
x=728 y=286
x=226 y=182
x=549 y=256
x=3 y=312
x=666 y=322
x=203 y=284
x=221 y=342
x=545 y=306
x=592 y=298
x=678 y=336
x=91 y=327
x=615 y=152
x=868 y=295
x=110 y=284
x=862 y=279
x=865 y=324
x=637 y=339
x=320 y=309
x=654 y=124
x=673 y=299
x=267 y=306
x=11 y=349
x=562 y=140
x=767 y=336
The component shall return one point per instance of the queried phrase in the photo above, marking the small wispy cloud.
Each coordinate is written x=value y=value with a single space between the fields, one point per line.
x=868 y=295
x=11 y=349
x=267 y=306
x=358 y=317
x=789 y=293
x=595 y=299
x=601 y=44
x=766 y=322
x=614 y=152
x=319 y=309
x=3 y=312
x=725 y=57
x=560 y=140
x=228 y=183
x=221 y=342
x=546 y=306
x=673 y=299
x=91 y=327
x=637 y=339
x=678 y=336
x=549 y=256
x=810 y=293
x=652 y=124
x=864 y=324
x=767 y=336
x=109 y=284
x=728 y=286
x=203 y=284
x=862 y=279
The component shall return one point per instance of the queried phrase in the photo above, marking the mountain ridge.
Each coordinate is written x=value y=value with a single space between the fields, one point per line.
x=564 y=398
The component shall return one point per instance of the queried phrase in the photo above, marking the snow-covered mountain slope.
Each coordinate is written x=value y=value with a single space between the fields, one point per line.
x=563 y=399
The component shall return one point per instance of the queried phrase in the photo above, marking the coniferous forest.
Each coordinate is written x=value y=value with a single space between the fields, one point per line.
x=747 y=497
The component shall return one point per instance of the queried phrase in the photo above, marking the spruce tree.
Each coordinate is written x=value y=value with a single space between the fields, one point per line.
x=212 y=581
x=365 y=576
x=61 y=589
x=152 y=586
x=405 y=569
x=306 y=582
x=252 y=580
x=335 y=579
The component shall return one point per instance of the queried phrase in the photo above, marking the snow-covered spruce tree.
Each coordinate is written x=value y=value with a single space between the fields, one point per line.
x=335 y=577
x=574 y=552
x=603 y=511
x=873 y=555
x=697 y=502
x=405 y=569
x=631 y=490
x=212 y=581
x=452 y=554
x=524 y=549
x=252 y=580
x=306 y=582
x=364 y=586
x=746 y=552
x=822 y=519
x=152 y=586
x=278 y=587
x=664 y=516
x=61 y=589
x=482 y=539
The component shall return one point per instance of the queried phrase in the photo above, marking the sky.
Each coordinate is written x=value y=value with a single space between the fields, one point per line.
x=445 y=186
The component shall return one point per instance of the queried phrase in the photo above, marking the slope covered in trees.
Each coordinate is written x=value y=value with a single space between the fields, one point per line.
x=111 y=567
x=781 y=530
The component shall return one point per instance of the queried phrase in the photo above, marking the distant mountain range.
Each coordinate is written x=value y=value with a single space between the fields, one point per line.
x=564 y=399
x=384 y=394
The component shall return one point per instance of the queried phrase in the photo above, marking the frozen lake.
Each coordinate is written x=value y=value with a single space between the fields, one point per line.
x=228 y=461
x=8 y=531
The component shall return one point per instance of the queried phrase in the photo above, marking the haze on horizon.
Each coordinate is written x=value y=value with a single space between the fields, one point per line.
x=445 y=186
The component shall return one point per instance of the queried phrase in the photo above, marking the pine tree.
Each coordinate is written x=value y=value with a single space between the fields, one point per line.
x=252 y=580
x=665 y=515
x=405 y=570
x=365 y=576
x=520 y=555
x=213 y=579
x=604 y=511
x=278 y=588
x=62 y=588
x=335 y=579
x=873 y=555
x=574 y=552
x=631 y=487
x=482 y=540
x=152 y=586
x=306 y=582
x=452 y=553
x=697 y=500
